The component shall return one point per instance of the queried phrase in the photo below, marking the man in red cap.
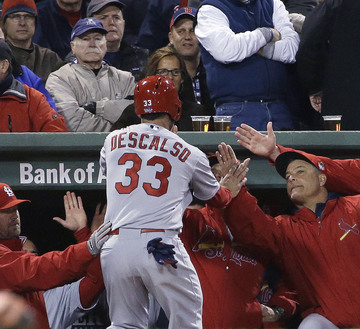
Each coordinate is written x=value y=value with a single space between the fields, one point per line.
x=317 y=244
x=18 y=22
x=29 y=275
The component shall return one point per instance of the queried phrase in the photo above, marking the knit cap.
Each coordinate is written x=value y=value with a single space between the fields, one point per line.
x=14 y=6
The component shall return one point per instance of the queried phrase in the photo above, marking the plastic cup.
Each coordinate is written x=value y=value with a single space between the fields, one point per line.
x=332 y=122
x=200 y=122
x=222 y=122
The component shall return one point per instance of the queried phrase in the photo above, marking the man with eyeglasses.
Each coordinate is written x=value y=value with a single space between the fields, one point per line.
x=88 y=92
x=119 y=54
x=18 y=22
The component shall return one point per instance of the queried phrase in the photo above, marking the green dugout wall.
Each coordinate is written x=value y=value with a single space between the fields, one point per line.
x=41 y=167
x=61 y=161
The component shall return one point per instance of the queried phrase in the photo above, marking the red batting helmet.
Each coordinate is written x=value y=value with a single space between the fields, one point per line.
x=157 y=94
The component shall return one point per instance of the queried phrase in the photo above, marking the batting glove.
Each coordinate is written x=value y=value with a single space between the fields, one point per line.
x=98 y=238
x=162 y=252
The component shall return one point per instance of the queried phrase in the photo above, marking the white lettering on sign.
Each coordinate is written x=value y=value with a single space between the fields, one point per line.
x=60 y=175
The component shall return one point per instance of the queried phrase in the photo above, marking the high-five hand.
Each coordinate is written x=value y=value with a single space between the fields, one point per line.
x=235 y=179
x=75 y=214
x=258 y=143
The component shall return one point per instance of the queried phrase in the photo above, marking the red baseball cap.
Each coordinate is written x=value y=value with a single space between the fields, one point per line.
x=8 y=198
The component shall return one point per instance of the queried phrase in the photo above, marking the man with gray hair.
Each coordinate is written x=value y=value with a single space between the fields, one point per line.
x=88 y=92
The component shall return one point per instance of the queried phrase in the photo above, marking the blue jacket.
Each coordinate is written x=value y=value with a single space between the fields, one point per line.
x=28 y=77
x=53 y=30
x=255 y=77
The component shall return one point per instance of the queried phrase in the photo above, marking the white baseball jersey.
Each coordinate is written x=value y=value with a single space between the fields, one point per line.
x=63 y=306
x=149 y=173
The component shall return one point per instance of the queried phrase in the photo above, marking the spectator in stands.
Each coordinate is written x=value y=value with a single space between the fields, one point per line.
x=134 y=13
x=167 y=62
x=119 y=54
x=89 y=93
x=18 y=21
x=183 y=39
x=56 y=19
x=23 y=109
x=299 y=103
x=245 y=46
x=154 y=28
x=327 y=60
x=34 y=274
x=298 y=10
x=27 y=77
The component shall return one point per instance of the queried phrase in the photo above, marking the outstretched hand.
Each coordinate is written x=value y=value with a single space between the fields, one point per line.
x=235 y=179
x=258 y=143
x=76 y=218
x=99 y=217
x=226 y=158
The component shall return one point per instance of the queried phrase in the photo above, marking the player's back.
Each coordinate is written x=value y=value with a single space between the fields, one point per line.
x=149 y=171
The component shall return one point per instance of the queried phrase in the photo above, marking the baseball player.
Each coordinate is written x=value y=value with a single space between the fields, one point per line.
x=149 y=172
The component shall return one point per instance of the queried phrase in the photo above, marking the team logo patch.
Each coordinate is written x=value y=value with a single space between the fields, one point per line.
x=321 y=166
x=347 y=228
x=90 y=21
x=8 y=191
x=148 y=110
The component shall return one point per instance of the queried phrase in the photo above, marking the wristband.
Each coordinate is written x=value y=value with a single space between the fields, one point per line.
x=272 y=34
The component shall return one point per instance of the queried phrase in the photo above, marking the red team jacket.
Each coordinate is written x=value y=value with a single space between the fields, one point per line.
x=24 y=109
x=28 y=275
x=223 y=267
x=320 y=256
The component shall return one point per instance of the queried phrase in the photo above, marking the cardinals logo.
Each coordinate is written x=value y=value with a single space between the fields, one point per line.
x=347 y=228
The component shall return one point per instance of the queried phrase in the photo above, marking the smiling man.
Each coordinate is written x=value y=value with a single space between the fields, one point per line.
x=182 y=37
x=88 y=92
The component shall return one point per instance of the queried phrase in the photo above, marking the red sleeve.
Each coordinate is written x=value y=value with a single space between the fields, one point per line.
x=92 y=285
x=221 y=199
x=43 y=117
x=83 y=234
x=250 y=225
x=343 y=176
x=198 y=221
x=23 y=272
x=284 y=298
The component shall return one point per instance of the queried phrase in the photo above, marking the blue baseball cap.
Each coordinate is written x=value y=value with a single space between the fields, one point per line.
x=85 y=25
x=181 y=13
